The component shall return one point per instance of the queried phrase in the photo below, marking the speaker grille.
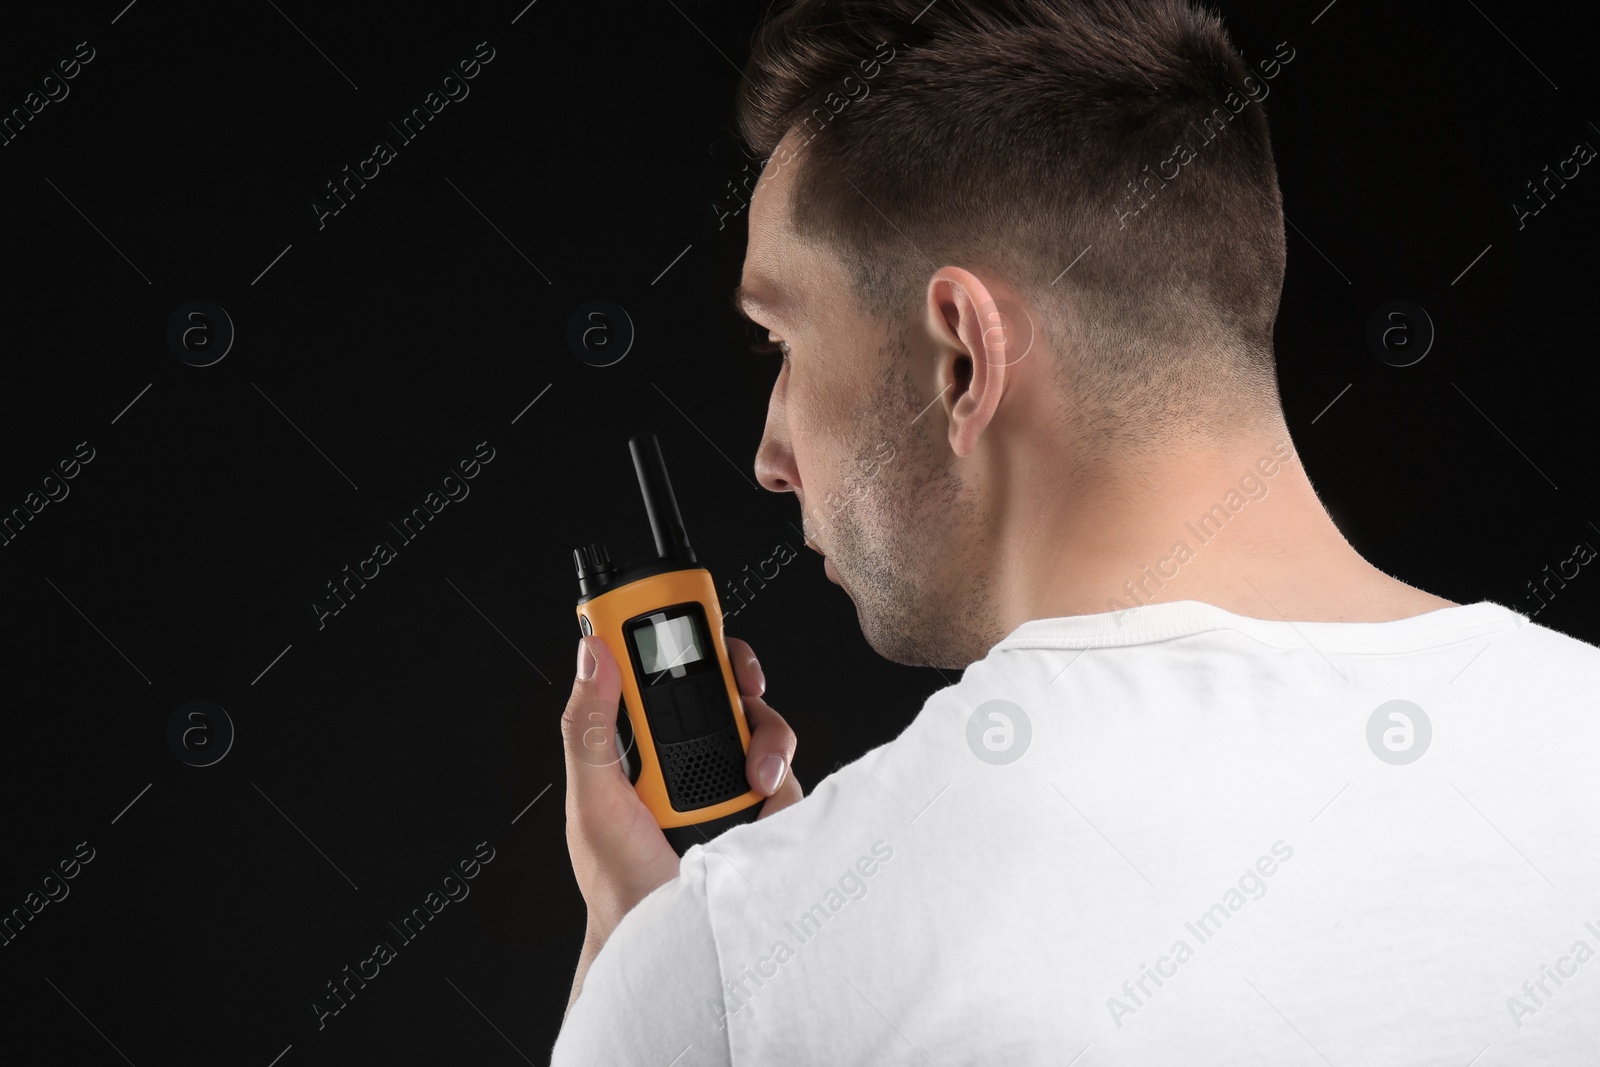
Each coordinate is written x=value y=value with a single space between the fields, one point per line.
x=704 y=771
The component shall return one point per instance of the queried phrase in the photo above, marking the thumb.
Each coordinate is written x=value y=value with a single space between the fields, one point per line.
x=589 y=723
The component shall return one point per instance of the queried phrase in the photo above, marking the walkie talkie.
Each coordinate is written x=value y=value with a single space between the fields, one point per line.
x=660 y=618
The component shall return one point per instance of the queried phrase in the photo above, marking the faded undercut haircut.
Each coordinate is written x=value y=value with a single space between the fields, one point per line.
x=1016 y=137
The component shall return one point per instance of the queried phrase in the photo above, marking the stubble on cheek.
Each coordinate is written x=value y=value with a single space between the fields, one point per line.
x=909 y=545
x=886 y=514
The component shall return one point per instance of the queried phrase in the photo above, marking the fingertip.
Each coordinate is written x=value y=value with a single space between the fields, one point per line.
x=758 y=677
x=595 y=667
x=770 y=775
x=746 y=668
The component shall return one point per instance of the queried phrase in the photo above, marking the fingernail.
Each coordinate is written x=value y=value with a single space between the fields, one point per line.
x=761 y=677
x=586 y=662
x=771 y=773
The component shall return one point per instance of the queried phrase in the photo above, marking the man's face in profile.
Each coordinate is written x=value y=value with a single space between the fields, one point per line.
x=854 y=431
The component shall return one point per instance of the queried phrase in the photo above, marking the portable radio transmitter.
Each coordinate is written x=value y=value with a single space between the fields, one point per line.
x=660 y=617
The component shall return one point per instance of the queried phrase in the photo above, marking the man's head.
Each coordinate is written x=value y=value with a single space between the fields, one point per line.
x=1007 y=246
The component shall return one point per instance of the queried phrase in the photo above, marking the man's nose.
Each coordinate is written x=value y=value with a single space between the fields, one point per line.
x=775 y=467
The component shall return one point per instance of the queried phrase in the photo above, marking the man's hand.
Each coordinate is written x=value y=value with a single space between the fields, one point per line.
x=619 y=854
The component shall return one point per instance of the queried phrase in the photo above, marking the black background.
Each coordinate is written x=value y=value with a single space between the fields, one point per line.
x=591 y=160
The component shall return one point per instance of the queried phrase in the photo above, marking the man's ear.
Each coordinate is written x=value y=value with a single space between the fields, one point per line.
x=975 y=341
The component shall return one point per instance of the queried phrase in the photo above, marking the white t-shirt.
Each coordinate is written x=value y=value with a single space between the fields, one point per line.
x=1219 y=840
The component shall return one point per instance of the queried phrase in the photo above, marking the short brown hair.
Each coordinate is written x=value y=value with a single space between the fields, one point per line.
x=1011 y=136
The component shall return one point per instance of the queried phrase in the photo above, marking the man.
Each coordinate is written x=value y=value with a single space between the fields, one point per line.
x=1212 y=788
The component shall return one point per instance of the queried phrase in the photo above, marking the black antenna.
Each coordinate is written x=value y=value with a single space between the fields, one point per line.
x=666 y=525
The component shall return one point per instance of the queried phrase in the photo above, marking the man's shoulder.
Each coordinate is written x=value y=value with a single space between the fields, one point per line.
x=885 y=786
x=1558 y=642
x=894 y=782
x=1534 y=653
x=852 y=794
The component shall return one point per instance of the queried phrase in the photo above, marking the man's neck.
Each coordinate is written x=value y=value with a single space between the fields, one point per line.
x=1240 y=528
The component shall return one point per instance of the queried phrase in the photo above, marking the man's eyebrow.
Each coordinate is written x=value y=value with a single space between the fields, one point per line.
x=743 y=297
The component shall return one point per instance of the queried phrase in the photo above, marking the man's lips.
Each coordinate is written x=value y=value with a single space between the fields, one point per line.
x=827 y=564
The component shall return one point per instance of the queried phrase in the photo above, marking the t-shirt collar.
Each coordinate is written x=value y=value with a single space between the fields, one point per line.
x=1181 y=618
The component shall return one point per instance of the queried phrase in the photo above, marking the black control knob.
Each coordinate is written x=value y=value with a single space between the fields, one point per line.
x=595 y=569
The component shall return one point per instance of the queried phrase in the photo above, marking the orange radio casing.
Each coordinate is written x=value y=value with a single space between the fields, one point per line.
x=661 y=620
